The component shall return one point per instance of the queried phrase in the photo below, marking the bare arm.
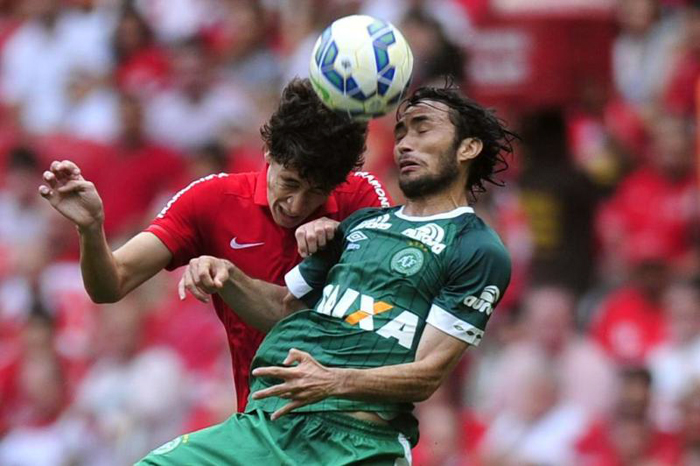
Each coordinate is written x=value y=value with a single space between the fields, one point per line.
x=258 y=303
x=310 y=382
x=107 y=276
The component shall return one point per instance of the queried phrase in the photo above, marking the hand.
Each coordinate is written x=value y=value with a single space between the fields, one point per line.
x=71 y=195
x=314 y=236
x=204 y=275
x=304 y=383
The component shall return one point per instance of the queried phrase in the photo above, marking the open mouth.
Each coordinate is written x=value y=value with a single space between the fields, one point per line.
x=408 y=165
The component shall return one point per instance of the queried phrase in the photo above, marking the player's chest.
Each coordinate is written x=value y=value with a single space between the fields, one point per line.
x=256 y=245
x=394 y=250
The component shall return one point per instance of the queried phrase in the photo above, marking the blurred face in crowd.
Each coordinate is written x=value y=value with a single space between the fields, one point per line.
x=425 y=149
x=131 y=113
x=549 y=317
x=636 y=16
x=120 y=330
x=672 y=152
x=131 y=34
x=291 y=198
x=192 y=70
x=682 y=305
x=41 y=383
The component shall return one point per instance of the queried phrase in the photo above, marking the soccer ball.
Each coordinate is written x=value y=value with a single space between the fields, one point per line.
x=361 y=66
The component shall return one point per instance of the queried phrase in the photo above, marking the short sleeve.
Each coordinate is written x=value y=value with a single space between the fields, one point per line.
x=306 y=280
x=477 y=280
x=177 y=224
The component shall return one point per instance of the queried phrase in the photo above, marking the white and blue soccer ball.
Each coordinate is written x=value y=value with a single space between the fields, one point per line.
x=361 y=66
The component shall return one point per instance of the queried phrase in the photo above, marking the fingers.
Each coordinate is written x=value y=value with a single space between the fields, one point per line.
x=65 y=169
x=74 y=185
x=282 y=390
x=50 y=179
x=302 y=246
x=286 y=409
x=273 y=372
x=315 y=235
x=189 y=285
x=293 y=356
x=204 y=276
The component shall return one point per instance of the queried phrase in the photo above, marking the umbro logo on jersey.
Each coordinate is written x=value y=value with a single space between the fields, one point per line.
x=486 y=300
x=236 y=245
x=356 y=236
x=431 y=235
x=376 y=223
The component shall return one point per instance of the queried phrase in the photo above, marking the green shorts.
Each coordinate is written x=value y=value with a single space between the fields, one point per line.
x=308 y=439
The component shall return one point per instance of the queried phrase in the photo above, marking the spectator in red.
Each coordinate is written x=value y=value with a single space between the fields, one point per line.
x=655 y=209
x=630 y=322
x=198 y=106
x=141 y=65
x=154 y=173
x=628 y=437
x=681 y=92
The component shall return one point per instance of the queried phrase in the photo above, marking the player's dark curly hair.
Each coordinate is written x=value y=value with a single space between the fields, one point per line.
x=471 y=120
x=304 y=134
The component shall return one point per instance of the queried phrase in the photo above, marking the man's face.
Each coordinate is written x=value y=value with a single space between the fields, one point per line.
x=290 y=197
x=424 y=149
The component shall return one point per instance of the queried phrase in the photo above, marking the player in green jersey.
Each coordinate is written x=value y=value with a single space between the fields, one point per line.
x=376 y=320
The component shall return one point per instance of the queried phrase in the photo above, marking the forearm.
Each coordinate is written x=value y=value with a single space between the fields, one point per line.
x=98 y=266
x=412 y=382
x=259 y=303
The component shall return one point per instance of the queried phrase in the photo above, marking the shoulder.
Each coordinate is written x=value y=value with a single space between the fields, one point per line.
x=477 y=241
x=366 y=214
x=210 y=189
x=361 y=185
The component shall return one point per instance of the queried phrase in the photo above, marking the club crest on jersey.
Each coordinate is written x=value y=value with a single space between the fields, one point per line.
x=486 y=300
x=407 y=261
x=431 y=235
x=402 y=327
x=376 y=223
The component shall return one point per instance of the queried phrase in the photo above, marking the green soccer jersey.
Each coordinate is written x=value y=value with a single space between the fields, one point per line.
x=373 y=290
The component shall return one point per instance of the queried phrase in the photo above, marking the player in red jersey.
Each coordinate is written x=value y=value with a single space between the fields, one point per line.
x=249 y=219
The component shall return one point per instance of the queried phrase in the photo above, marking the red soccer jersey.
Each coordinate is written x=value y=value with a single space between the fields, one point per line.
x=227 y=216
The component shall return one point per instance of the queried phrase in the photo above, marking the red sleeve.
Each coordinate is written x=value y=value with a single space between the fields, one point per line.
x=180 y=222
x=366 y=190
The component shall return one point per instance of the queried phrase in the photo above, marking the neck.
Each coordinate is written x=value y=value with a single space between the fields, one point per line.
x=444 y=201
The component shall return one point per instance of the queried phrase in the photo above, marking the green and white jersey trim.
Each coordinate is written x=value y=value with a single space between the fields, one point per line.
x=442 y=216
x=296 y=284
x=451 y=325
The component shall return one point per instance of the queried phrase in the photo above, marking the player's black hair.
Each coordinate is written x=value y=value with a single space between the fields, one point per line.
x=320 y=144
x=471 y=120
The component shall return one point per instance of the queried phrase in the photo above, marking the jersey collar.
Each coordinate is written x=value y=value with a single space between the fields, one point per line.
x=442 y=216
x=260 y=196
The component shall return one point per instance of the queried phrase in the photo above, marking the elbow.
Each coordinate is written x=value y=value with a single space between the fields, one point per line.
x=428 y=388
x=103 y=298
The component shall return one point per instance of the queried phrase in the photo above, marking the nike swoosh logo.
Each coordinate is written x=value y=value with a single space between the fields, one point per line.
x=236 y=245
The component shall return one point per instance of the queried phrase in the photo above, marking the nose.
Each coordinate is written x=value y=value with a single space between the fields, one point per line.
x=404 y=145
x=295 y=204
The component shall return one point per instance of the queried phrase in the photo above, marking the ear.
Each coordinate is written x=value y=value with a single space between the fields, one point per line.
x=468 y=149
x=267 y=156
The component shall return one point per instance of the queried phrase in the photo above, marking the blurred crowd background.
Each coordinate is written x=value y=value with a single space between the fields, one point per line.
x=592 y=359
